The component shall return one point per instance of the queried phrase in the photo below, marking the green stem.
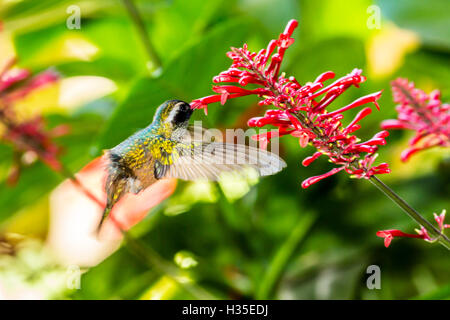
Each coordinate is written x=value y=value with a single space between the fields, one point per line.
x=283 y=256
x=432 y=230
x=140 y=26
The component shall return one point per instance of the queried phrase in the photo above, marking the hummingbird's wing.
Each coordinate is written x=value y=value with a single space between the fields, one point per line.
x=200 y=160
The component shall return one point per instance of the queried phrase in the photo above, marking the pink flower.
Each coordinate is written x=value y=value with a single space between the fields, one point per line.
x=9 y=76
x=31 y=136
x=26 y=135
x=423 y=113
x=440 y=220
x=388 y=235
x=24 y=83
x=301 y=110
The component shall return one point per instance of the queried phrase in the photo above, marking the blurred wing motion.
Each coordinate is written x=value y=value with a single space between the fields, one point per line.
x=208 y=160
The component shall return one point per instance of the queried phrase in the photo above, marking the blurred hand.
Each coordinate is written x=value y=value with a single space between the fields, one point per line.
x=74 y=216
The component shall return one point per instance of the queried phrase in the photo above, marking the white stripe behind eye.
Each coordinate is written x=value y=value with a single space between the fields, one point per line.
x=172 y=114
x=174 y=111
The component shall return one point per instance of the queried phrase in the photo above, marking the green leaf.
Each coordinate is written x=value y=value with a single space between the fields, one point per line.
x=34 y=183
x=442 y=293
x=26 y=16
x=430 y=19
x=283 y=255
x=95 y=48
x=340 y=55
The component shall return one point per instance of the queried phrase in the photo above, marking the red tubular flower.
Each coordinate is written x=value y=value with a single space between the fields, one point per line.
x=388 y=235
x=27 y=136
x=301 y=110
x=312 y=180
x=423 y=113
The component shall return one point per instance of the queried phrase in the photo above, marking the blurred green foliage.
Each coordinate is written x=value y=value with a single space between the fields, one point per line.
x=277 y=241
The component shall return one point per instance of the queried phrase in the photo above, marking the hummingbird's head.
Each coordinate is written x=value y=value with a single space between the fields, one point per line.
x=175 y=113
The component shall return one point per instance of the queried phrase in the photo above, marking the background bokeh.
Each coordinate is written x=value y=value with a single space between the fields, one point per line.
x=237 y=239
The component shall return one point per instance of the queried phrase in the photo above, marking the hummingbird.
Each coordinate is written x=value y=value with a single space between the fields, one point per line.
x=167 y=148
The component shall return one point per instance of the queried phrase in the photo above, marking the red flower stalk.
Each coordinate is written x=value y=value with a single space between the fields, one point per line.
x=29 y=136
x=388 y=235
x=32 y=136
x=301 y=109
x=423 y=113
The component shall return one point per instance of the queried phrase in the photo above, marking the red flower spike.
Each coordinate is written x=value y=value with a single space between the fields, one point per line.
x=422 y=113
x=40 y=80
x=29 y=136
x=8 y=76
x=301 y=110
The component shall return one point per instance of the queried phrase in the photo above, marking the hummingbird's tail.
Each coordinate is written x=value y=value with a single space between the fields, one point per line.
x=104 y=215
x=116 y=185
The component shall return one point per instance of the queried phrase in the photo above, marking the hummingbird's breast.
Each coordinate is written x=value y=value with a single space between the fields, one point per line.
x=145 y=146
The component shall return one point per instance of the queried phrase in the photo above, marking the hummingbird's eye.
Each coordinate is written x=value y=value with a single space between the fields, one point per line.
x=181 y=113
x=183 y=107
